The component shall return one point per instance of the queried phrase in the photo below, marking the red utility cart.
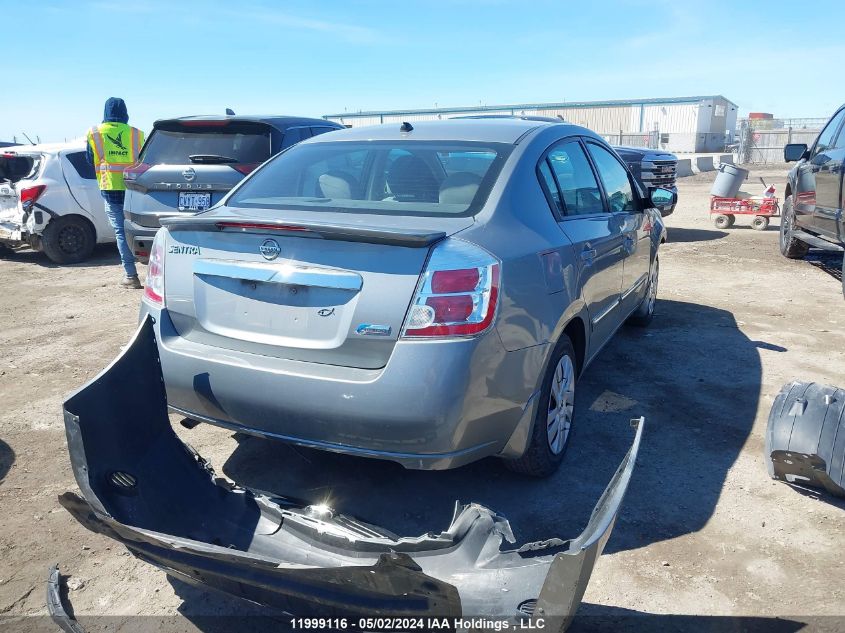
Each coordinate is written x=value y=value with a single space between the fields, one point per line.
x=725 y=210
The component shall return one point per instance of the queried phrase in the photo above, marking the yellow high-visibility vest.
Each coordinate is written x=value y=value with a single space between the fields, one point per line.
x=115 y=147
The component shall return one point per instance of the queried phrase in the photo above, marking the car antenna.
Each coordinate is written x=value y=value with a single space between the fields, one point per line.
x=406 y=127
x=230 y=112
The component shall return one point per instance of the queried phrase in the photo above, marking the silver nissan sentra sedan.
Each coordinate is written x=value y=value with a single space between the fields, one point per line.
x=426 y=293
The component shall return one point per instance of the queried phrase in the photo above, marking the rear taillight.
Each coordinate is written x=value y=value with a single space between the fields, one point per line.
x=246 y=168
x=154 y=285
x=457 y=293
x=30 y=195
x=133 y=171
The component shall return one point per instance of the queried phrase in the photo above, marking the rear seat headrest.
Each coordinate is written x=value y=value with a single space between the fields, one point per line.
x=459 y=188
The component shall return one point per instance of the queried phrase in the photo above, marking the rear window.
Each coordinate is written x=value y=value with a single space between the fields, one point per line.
x=234 y=143
x=383 y=177
x=14 y=167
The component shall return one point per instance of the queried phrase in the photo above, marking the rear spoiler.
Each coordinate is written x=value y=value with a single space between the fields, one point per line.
x=340 y=232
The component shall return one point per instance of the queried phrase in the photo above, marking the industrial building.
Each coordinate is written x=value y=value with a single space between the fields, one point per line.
x=677 y=124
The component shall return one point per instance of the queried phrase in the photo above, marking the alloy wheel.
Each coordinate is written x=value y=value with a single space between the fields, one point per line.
x=785 y=227
x=561 y=405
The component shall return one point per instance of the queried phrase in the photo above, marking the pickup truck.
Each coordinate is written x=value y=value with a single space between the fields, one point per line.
x=812 y=211
x=652 y=168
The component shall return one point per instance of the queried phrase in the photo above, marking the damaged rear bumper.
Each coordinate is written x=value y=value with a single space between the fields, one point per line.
x=143 y=487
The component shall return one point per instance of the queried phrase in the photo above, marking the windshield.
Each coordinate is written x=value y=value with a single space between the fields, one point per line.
x=384 y=177
x=236 y=144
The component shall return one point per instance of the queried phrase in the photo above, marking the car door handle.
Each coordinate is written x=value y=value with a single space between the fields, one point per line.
x=588 y=255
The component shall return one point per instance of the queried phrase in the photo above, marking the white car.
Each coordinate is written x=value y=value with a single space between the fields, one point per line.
x=49 y=200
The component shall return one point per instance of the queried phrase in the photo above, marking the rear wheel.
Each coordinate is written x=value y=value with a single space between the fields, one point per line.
x=760 y=223
x=6 y=251
x=724 y=221
x=555 y=411
x=69 y=239
x=790 y=247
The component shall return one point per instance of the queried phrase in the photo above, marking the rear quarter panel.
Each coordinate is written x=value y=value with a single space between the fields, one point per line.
x=540 y=286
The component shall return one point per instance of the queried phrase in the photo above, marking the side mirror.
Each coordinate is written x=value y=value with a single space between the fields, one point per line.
x=794 y=152
x=662 y=199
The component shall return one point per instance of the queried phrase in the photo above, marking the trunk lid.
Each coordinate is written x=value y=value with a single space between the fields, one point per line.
x=333 y=291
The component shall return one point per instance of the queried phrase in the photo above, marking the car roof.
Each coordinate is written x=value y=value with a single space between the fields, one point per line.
x=490 y=130
x=277 y=120
x=45 y=148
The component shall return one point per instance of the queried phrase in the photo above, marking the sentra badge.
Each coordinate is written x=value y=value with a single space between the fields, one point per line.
x=179 y=249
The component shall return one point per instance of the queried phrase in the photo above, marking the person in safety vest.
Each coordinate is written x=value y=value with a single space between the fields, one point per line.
x=112 y=147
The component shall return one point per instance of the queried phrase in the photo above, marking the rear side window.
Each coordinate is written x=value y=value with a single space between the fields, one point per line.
x=579 y=190
x=825 y=140
x=614 y=177
x=322 y=129
x=80 y=163
x=295 y=134
x=233 y=143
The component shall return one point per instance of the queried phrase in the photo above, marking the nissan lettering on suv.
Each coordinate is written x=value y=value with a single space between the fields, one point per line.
x=188 y=164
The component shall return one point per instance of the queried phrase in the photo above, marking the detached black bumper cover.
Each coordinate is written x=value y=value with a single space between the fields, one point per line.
x=805 y=436
x=143 y=487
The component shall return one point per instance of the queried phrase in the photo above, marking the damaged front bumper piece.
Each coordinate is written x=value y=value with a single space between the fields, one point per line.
x=146 y=489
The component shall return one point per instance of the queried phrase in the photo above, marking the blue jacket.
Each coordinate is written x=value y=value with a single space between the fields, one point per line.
x=115 y=112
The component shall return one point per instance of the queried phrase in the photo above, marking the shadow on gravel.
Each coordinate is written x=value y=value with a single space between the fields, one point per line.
x=7 y=458
x=104 y=255
x=694 y=376
x=693 y=235
x=829 y=262
x=218 y=613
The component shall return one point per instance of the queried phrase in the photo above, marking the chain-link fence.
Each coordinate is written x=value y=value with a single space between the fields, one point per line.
x=761 y=141
x=632 y=139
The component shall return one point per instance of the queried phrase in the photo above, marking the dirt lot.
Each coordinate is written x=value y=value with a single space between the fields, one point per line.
x=704 y=533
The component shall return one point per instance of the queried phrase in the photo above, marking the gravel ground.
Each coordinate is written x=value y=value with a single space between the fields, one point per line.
x=704 y=533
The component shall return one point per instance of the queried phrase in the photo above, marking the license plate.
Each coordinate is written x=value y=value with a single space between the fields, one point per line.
x=194 y=201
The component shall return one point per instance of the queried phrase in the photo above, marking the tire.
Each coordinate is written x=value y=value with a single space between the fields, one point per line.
x=724 y=221
x=843 y=276
x=789 y=246
x=545 y=451
x=643 y=315
x=69 y=239
x=6 y=251
x=760 y=223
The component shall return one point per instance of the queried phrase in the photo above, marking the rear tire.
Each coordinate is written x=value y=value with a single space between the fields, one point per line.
x=790 y=247
x=69 y=239
x=724 y=221
x=843 y=276
x=643 y=315
x=552 y=429
x=760 y=223
x=6 y=251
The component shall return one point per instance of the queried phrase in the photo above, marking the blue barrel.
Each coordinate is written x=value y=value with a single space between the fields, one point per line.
x=728 y=181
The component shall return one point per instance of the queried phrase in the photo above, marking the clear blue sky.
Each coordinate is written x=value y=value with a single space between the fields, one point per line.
x=178 y=57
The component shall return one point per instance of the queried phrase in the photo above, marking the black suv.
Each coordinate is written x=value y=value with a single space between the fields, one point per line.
x=812 y=211
x=190 y=163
